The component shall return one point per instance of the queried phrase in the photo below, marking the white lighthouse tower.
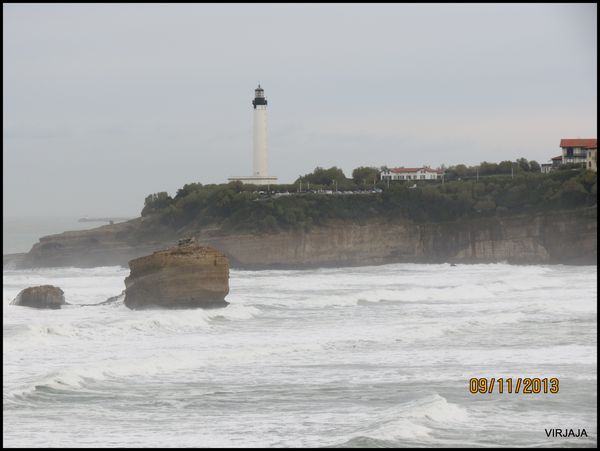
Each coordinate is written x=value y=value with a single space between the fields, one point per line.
x=260 y=133
x=260 y=173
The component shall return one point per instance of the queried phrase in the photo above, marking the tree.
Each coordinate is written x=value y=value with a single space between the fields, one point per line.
x=365 y=175
x=505 y=167
x=572 y=193
x=155 y=202
x=237 y=186
x=187 y=189
x=569 y=166
x=460 y=170
x=534 y=166
x=321 y=176
x=523 y=164
x=486 y=168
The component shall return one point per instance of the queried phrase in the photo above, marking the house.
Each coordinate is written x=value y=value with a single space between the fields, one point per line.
x=402 y=173
x=576 y=150
x=591 y=159
x=556 y=162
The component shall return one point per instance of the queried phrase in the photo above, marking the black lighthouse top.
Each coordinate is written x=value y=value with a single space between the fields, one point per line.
x=259 y=97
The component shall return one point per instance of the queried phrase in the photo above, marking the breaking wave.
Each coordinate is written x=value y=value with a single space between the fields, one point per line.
x=414 y=421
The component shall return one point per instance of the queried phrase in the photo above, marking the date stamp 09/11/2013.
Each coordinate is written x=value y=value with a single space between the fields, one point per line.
x=509 y=385
x=525 y=385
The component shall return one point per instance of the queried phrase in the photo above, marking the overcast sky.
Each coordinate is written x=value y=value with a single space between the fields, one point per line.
x=106 y=103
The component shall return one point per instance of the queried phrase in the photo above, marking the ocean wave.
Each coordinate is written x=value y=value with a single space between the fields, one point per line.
x=414 y=421
x=96 y=326
x=365 y=443
x=92 y=379
x=343 y=297
x=55 y=384
x=186 y=320
x=463 y=292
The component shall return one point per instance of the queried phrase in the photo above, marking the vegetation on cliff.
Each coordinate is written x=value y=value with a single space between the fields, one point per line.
x=238 y=207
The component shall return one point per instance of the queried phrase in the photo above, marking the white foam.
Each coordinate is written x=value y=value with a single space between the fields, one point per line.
x=314 y=332
x=416 y=419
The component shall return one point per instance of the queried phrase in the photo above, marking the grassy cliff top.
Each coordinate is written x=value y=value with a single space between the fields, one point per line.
x=246 y=208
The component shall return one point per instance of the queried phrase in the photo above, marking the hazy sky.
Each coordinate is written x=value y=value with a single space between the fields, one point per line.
x=106 y=103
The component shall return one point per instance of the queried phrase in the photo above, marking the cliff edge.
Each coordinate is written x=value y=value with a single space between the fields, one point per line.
x=567 y=237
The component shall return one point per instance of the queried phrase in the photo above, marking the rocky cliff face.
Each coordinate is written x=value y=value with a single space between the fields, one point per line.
x=107 y=245
x=184 y=276
x=557 y=238
x=568 y=237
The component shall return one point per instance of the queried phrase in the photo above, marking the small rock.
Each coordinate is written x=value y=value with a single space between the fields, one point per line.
x=43 y=296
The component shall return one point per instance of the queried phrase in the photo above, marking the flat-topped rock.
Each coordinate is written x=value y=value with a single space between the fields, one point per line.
x=43 y=296
x=188 y=275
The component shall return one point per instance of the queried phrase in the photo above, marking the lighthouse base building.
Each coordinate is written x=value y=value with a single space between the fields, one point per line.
x=259 y=176
x=252 y=180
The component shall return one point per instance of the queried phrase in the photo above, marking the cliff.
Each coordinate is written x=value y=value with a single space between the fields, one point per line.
x=568 y=237
x=107 y=245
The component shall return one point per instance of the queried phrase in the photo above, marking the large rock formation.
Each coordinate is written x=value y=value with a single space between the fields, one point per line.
x=184 y=276
x=43 y=296
x=567 y=237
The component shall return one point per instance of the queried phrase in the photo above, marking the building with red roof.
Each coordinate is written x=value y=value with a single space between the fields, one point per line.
x=584 y=143
x=576 y=150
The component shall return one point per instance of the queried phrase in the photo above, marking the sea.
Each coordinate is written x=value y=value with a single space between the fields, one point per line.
x=372 y=356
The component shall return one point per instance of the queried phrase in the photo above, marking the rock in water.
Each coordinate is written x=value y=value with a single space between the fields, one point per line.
x=44 y=296
x=185 y=276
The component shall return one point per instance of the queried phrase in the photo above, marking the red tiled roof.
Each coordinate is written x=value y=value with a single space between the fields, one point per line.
x=405 y=170
x=401 y=170
x=585 y=143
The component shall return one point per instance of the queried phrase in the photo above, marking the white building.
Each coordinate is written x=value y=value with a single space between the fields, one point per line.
x=424 y=173
x=576 y=150
x=591 y=160
x=259 y=175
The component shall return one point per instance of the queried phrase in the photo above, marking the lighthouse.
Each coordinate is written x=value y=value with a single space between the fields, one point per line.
x=260 y=172
x=260 y=132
